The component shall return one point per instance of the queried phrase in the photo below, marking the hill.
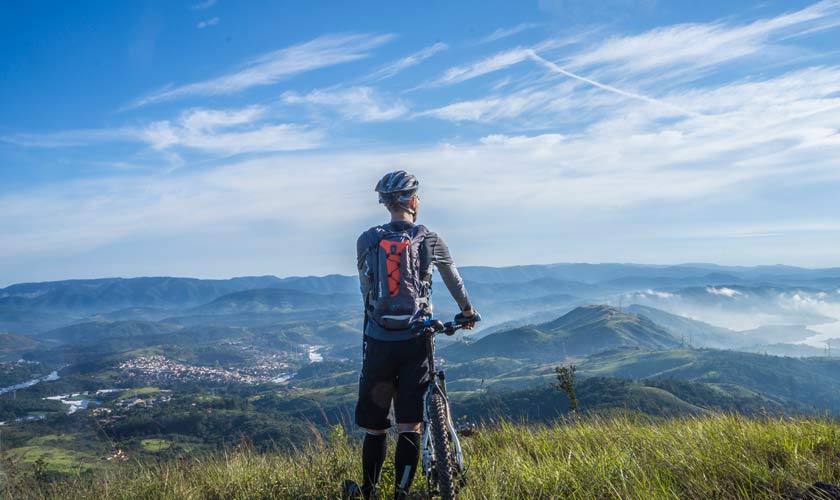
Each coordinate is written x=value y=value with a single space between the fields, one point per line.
x=656 y=398
x=769 y=334
x=108 y=294
x=14 y=342
x=799 y=383
x=695 y=333
x=276 y=300
x=600 y=458
x=583 y=331
x=98 y=331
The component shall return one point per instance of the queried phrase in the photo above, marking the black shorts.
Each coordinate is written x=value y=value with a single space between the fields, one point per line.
x=395 y=371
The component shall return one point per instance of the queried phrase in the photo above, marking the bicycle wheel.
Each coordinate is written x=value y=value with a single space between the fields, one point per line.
x=444 y=464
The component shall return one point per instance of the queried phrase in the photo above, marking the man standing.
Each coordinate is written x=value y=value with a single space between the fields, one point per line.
x=395 y=272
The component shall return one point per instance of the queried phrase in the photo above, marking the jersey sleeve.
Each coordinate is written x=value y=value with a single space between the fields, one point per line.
x=442 y=259
x=362 y=249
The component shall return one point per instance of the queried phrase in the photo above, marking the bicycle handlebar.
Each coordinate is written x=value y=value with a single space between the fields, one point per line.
x=437 y=326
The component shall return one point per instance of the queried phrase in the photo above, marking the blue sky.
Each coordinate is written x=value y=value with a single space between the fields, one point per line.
x=219 y=138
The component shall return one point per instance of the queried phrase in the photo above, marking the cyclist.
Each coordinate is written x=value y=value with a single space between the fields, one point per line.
x=395 y=271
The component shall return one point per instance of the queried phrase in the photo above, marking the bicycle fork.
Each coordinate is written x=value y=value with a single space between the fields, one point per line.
x=428 y=454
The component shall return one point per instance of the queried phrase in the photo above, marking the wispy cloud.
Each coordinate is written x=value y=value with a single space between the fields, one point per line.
x=667 y=52
x=206 y=4
x=73 y=138
x=496 y=62
x=531 y=99
x=508 y=32
x=691 y=47
x=632 y=95
x=274 y=66
x=356 y=103
x=221 y=131
x=397 y=66
x=495 y=107
x=207 y=23
x=230 y=132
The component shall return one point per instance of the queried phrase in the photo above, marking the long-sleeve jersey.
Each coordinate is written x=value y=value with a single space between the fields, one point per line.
x=434 y=251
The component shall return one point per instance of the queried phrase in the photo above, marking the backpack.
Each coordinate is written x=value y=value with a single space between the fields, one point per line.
x=399 y=295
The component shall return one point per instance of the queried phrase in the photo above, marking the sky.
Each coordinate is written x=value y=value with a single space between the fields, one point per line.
x=213 y=138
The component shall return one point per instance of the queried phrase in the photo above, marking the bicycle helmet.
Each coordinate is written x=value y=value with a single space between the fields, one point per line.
x=397 y=188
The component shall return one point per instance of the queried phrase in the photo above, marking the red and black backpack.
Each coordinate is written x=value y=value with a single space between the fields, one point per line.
x=399 y=295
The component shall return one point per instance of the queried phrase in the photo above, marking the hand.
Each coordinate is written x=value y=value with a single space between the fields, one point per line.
x=464 y=317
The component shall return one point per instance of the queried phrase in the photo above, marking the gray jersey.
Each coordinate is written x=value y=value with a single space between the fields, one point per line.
x=433 y=252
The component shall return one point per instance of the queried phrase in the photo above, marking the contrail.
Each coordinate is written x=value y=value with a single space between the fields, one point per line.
x=557 y=69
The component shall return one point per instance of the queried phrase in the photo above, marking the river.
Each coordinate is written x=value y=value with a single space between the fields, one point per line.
x=23 y=385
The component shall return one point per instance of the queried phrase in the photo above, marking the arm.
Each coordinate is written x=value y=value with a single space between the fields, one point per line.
x=449 y=273
x=361 y=264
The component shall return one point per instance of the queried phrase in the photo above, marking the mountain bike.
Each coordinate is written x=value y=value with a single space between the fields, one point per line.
x=443 y=459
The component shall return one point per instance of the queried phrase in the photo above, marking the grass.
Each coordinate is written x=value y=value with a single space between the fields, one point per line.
x=141 y=391
x=154 y=444
x=57 y=460
x=720 y=457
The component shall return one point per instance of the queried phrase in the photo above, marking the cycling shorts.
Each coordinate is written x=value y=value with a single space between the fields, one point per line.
x=392 y=372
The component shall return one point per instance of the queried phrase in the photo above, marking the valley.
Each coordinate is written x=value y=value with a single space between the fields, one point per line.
x=122 y=369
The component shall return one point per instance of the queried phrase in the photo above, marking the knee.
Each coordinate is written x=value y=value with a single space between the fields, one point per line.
x=413 y=427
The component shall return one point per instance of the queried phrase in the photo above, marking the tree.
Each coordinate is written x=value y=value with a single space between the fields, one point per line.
x=566 y=383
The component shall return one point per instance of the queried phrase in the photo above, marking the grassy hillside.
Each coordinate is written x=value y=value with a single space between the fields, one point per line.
x=722 y=457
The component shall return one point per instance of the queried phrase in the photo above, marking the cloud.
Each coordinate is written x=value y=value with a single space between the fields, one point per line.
x=529 y=99
x=726 y=292
x=274 y=66
x=494 y=108
x=222 y=131
x=496 y=62
x=356 y=103
x=73 y=138
x=230 y=132
x=397 y=66
x=209 y=22
x=508 y=32
x=692 y=47
x=653 y=293
x=206 y=4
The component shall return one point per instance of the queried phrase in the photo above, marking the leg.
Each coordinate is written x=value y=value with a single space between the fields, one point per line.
x=406 y=457
x=377 y=386
x=374 y=449
x=408 y=407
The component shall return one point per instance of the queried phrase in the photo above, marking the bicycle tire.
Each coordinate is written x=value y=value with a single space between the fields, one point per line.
x=444 y=464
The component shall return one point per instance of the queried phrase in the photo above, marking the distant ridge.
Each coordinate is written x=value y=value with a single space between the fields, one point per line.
x=583 y=331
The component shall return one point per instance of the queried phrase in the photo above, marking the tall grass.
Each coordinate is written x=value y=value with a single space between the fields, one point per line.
x=717 y=457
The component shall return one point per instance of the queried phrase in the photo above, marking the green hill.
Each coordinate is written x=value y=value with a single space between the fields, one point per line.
x=802 y=383
x=583 y=331
x=697 y=458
